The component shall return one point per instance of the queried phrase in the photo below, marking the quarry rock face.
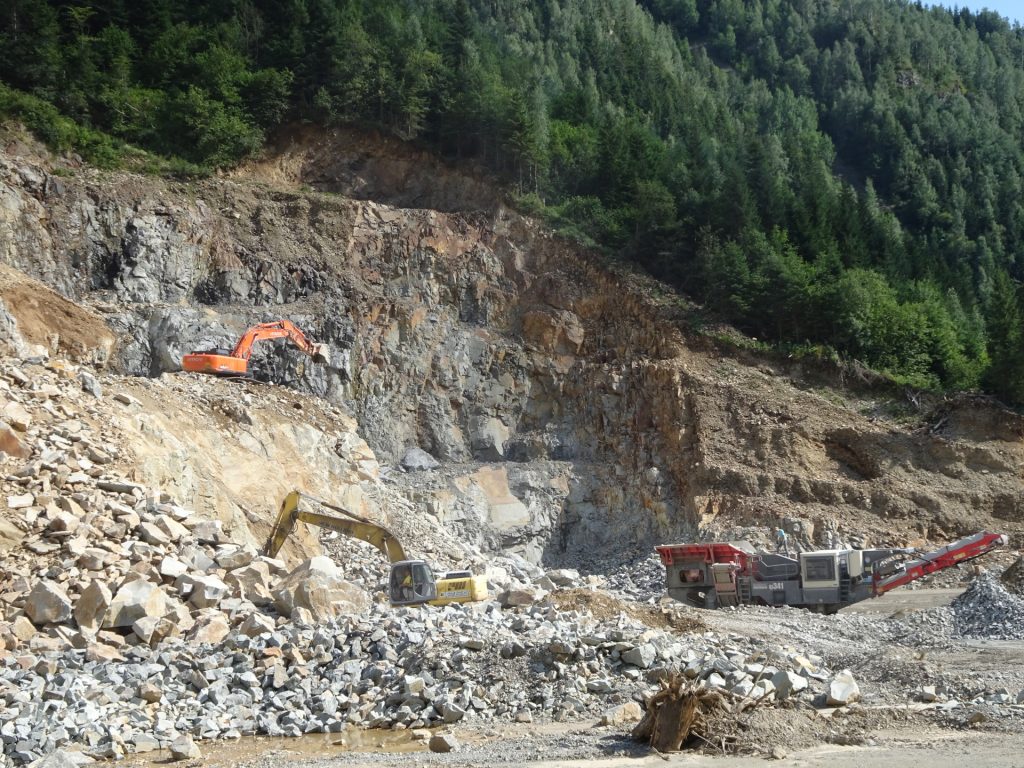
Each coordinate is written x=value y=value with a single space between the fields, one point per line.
x=567 y=412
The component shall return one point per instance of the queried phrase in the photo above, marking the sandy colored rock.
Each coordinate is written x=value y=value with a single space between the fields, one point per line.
x=174 y=530
x=151 y=630
x=257 y=624
x=17 y=416
x=23 y=629
x=629 y=712
x=47 y=603
x=102 y=652
x=92 y=605
x=317 y=586
x=251 y=582
x=11 y=536
x=232 y=556
x=11 y=444
x=211 y=627
x=133 y=601
x=150 y=693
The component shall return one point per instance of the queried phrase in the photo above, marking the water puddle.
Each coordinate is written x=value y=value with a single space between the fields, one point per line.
x=227 y=752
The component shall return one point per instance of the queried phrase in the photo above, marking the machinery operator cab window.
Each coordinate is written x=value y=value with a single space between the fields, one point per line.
x=412 y=582
x=819 y=569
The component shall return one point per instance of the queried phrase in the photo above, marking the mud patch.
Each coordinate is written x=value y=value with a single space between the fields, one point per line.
x=46 y=318
x=281 y=749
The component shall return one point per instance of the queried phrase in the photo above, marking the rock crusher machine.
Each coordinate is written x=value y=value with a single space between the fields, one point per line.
x=719 y=574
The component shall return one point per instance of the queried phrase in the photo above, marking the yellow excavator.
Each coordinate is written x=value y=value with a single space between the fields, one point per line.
x=412 y=582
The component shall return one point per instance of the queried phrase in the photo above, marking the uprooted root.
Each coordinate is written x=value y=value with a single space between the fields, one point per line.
x=683 y=715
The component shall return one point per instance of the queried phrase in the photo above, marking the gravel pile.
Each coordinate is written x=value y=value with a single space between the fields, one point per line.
x=643 y=579
x=987 y=610
x=1013 y=577
x=385 y=668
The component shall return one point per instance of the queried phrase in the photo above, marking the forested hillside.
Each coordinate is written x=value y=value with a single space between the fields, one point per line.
x=826 y=174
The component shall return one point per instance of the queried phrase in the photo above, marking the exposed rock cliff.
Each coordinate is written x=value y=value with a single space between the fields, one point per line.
x=575 y=422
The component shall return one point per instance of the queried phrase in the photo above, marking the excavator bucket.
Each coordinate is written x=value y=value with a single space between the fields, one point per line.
x=321 y=353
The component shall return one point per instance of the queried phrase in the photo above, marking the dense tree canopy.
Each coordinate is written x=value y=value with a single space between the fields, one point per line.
x=845 y=173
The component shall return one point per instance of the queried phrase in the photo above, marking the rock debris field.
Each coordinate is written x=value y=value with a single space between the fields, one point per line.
x=131 y=623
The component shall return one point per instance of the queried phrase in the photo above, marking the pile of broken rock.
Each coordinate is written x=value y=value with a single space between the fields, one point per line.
x=129 y=622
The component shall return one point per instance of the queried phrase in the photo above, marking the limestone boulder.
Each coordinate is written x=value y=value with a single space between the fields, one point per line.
x=232 y=556
x=256 y=624
x=15 y=414
x=11 y=444
x=203 y=590
x=843 y=689
x=564 y=577
x=174 y=530
x=151 y=630
x=788 y=683
x=184 y=748
x=642 y=656
x=251 y=582
x=47 y=603
x=211 y=627
x=172 y=568
x=134 y=600
x=317 y=586
x=517 y=598
x=23 y=629
x=418 y=460
x=92 y=606
x=629 y=712
x=11 y=535
x=443 y=742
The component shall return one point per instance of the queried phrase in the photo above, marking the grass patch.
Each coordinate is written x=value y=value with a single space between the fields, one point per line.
x=62 y=134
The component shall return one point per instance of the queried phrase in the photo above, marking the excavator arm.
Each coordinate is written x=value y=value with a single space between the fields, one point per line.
x=957 y=553
x=237 y=361
x=349 y=524
x=279 y=329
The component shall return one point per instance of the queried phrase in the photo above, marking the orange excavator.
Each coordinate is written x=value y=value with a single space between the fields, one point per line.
x=236 y=362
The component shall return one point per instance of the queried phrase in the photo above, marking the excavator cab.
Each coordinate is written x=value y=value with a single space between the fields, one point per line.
x=411 y=583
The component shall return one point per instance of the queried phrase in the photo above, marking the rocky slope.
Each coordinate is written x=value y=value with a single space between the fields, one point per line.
x=570 y=413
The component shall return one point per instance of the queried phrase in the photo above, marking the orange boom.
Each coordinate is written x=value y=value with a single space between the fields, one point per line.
x=236 y=362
